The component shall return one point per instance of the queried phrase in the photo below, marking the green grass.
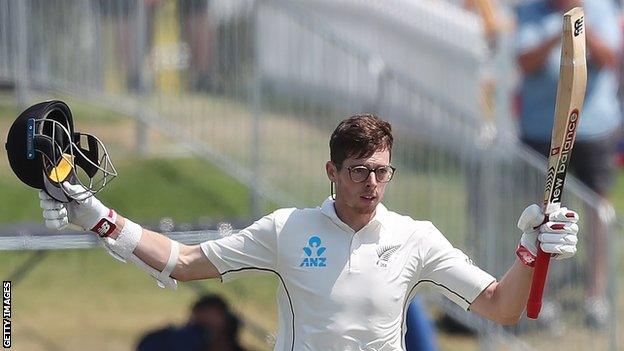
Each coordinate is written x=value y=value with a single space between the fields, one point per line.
x=146 y=190
x=183 y=189
x=617 y=196
x=81 y=111
x=8 y=111
x=86 y=300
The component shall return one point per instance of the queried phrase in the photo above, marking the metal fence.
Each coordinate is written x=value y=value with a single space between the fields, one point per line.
x=257 y=87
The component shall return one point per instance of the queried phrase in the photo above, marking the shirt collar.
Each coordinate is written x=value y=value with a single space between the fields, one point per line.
x=328 y=209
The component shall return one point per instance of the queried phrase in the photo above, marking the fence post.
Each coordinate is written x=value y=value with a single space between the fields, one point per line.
x=21 y=54
x=377 y=68
x=614 y=230
x=256 y=116
x=141 y=117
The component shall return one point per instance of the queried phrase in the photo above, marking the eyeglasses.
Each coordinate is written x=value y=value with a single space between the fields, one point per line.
x=359 y=174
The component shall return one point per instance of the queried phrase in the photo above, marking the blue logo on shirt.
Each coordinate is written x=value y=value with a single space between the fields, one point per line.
x=313 y=252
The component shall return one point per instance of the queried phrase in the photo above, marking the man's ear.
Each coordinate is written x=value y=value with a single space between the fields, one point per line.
x=331 y=170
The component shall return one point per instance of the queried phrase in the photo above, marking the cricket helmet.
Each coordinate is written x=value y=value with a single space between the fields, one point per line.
x=44 y=151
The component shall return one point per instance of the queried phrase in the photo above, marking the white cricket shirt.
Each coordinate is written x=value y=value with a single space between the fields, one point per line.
x=344 y=290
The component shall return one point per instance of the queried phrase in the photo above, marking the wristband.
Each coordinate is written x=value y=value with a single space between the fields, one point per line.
x=123 y=247
x=128 y=239
x=525 y=256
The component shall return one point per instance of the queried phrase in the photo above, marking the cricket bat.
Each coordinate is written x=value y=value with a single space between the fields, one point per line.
x=570 y=96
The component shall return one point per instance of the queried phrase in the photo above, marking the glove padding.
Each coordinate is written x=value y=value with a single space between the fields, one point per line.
x=84 y=212
x=81 y=214
x=558 y=236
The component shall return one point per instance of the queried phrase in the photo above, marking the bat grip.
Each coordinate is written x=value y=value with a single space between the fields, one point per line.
x=534 y=305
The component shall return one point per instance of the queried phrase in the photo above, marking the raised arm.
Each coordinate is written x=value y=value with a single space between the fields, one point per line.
x=504 y=301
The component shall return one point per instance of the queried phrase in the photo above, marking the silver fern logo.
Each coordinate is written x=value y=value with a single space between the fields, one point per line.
x=384 y=252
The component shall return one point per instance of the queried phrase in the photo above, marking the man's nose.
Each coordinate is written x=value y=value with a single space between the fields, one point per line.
x=372 y=178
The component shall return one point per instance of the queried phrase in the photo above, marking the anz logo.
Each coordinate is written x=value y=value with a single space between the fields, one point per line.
x=314 y=253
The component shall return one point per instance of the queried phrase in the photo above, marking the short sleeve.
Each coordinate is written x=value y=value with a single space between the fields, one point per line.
x=451 y=271
x=251 y=250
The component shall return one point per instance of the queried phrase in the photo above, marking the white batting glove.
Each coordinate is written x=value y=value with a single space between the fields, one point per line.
x=558 y=236
x=54 y=212
x=85 y=212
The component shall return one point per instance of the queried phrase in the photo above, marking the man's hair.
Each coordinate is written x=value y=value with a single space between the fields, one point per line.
x=359 y=136
x=209 y=301
x=215 y=301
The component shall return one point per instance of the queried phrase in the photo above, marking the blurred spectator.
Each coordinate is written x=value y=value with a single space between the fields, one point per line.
x=420 y=335
x=211 y=327
x=198 y=32
x=594 y=156
x=119 y=30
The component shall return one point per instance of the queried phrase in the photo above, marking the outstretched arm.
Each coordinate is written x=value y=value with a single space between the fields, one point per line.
x=154 y=249
x=163 y=258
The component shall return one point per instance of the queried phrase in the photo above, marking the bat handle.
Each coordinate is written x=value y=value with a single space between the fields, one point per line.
x=534 y=305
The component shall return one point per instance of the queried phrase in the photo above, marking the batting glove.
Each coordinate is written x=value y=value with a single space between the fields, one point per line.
x=86 y=211
x=557 y=236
